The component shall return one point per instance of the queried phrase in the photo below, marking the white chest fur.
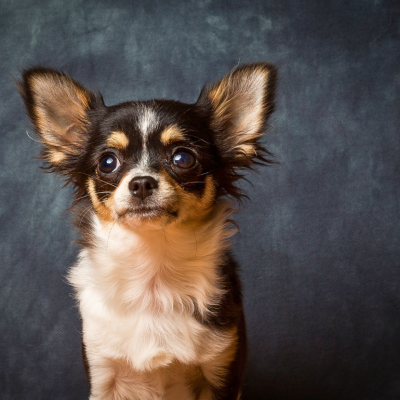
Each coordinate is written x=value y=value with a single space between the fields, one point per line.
x=137 y=291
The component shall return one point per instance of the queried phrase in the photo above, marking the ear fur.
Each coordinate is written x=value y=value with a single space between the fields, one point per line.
x=239 y=105
x=58 y=106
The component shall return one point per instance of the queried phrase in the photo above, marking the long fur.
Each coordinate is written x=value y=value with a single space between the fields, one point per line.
x=157 y=287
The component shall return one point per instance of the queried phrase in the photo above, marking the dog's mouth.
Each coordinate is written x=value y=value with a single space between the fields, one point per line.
x=146 y=213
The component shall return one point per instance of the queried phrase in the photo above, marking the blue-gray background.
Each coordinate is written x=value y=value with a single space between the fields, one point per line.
x=319 y=243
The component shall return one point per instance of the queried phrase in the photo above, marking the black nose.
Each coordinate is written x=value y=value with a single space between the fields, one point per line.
x=142 y=186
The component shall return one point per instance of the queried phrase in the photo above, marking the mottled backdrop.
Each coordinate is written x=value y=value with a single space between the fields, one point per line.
x=319 y=243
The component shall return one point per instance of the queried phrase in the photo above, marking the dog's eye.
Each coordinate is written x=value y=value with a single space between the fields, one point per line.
x=109 y=163
x=184 y=159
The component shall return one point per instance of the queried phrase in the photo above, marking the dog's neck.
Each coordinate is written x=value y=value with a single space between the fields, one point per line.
x=160 y=268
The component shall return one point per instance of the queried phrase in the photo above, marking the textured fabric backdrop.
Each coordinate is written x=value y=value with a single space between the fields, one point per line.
x=319 y=243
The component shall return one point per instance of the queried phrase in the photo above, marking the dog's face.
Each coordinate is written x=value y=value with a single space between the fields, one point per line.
x=152 y=161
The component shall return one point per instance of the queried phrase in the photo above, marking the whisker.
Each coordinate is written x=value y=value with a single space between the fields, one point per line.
x=86 y=195
x=188 y=183
x=37 y=141
x=109 y=234
x=205 y=141
x=184 y=195
x=94 y=177
x=106 y=225
x=175 y=195
x=84 y=214
x=208 y=172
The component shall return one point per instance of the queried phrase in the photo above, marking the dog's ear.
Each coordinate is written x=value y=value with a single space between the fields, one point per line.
x=240 y=105
x=58 y=107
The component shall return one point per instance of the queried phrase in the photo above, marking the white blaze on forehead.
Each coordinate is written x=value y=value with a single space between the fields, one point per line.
x=147 y=123
x=148 y=120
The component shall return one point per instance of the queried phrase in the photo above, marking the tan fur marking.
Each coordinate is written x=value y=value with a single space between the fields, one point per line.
x=118 y=139
x=211 y=374
x=193 y=207
x=190 y=206
x=197 y=383
x=171 y=134
x=216 y=369
x=102 y=210
x=56 y=157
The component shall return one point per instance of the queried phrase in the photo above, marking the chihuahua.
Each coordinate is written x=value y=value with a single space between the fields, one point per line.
x=157 y=287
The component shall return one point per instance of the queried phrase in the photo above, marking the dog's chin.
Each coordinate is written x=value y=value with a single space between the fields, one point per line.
x=146 y=215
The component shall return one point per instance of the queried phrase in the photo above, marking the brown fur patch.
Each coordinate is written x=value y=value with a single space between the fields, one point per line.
x=171 y=134
x=191 y=206
x=103 y=210
x=202 y=380
x=56 y=157
x=216 y=369
x=198 y=384
x=118 y=139
x=194 y=207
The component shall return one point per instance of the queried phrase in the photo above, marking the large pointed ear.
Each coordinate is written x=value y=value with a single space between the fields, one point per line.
x=58 y=106
x=240 y=105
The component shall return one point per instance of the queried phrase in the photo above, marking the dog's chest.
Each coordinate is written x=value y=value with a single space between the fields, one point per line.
x=147 y=340
x=137 y=303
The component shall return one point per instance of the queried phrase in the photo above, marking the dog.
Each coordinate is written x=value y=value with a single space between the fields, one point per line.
x=155 y=185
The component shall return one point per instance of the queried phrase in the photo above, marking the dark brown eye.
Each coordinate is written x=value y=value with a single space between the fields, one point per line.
x=109 y=163
x=184 y=159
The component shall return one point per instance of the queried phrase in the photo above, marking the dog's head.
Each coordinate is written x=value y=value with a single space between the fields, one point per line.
x=155 y=160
